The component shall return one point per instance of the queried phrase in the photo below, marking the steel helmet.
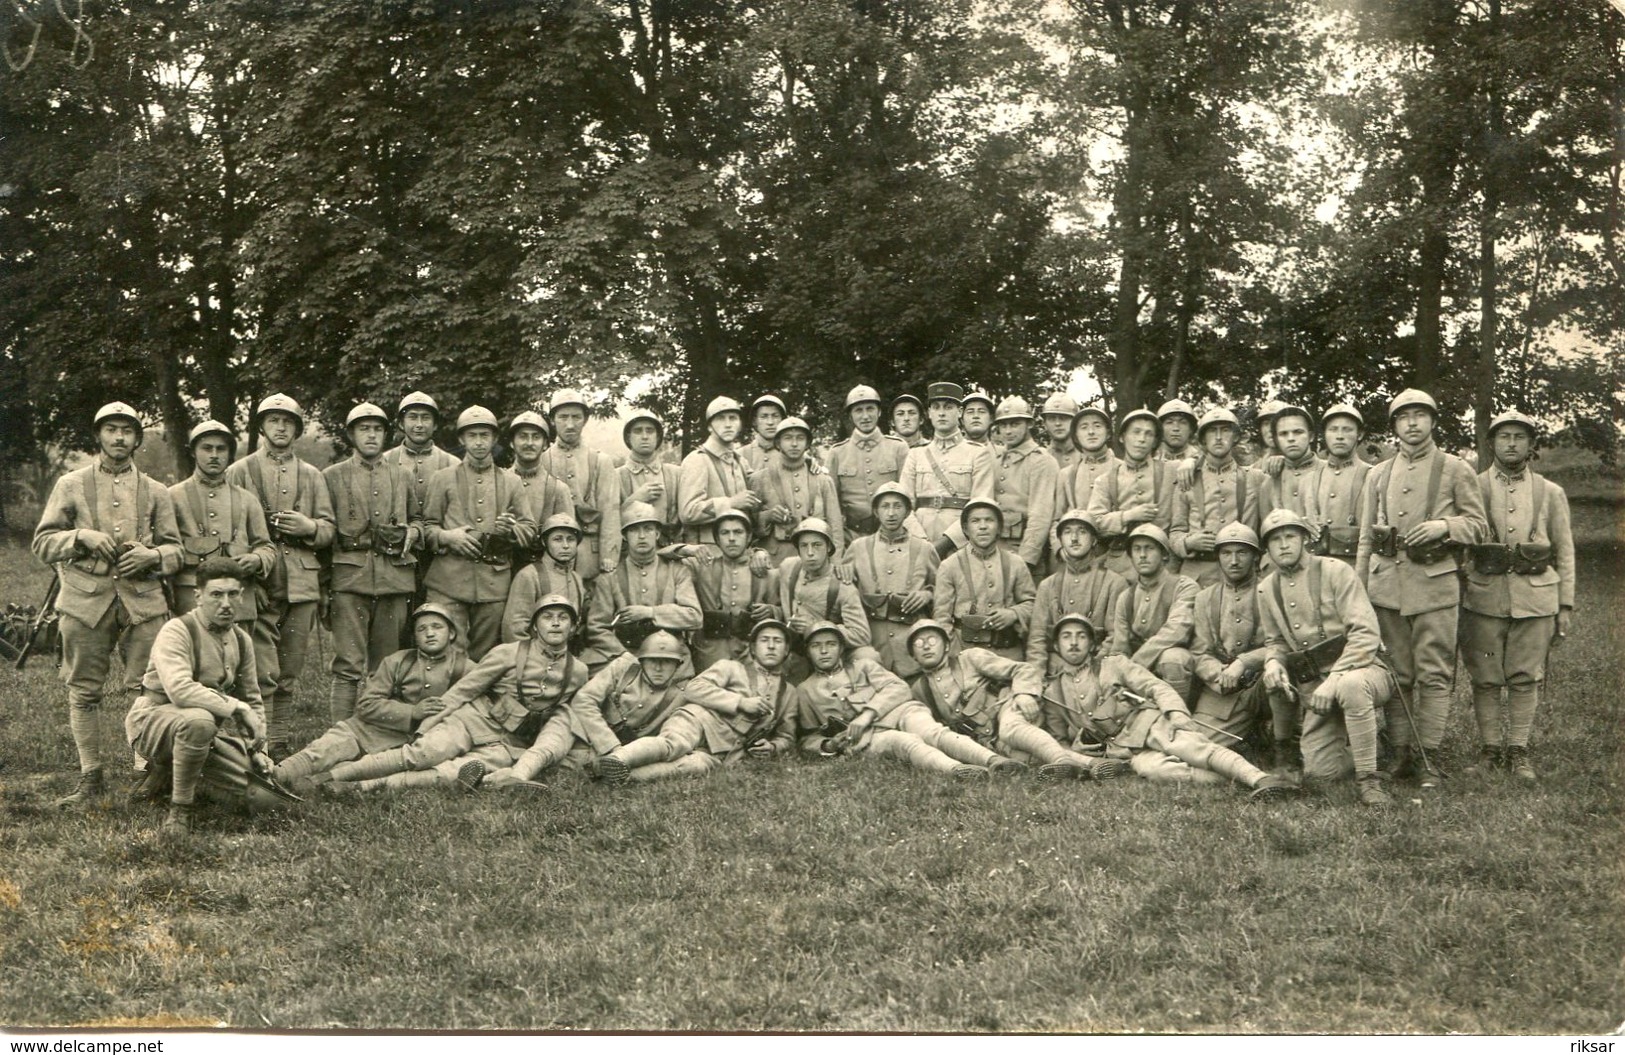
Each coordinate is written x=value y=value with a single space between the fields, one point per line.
x=1280 y=519
x=431 y=608
x=770 y=624
x=532 y=420
x=862 y=394
x=1077 y=516
x=636 y=513
x=555 y=600
x=476 y=416
x=567 y=397
x=1155 y=534
x=732 y=514
x=1078 y=619
x=1099 y=412
x=1514 y=417
x=1292 y=408
x=210 y=428
x=560 y=522
x=1060 y=403
x=119 y=410
x=1346 y=410
x=721 y=405
x=824 y=626
x=286 y=405
x=908 y=397
x=813 y=526
x=1268 y=409
x=365 y=412
x=890 y=489
x=790 y=425
x=1412 y=397
x=1142 y=414
x=418 y=399
x=1177 y=406
x=1237 y=533
x=663 y=644
x=1217 y=416
x=768 y=399
x=921 y=627
x=1013 y=408
x=641 y=417
x=976 y=395
x=979 y=503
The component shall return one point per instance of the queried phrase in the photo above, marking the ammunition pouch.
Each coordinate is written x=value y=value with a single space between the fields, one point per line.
x=389 y=540
x=353 y=543
x=887 y=608
x=866 y=525
x=1531 y=560
x=1115 y=543
x=531 y=724
x=1314 y=663
x=194 y=551
x=1432 y=552
x=631 y=632
x=1491 y=558
x=1210 y=556
x=1386 y=542
x=1015 y=525
x=965 y=727
x=833 y=727
x=974 y=630
x=720 y=625
x=496 y=550
x=623 y=732
x=1335 y=541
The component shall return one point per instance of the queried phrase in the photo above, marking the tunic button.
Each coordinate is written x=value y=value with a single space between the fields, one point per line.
x=214 y=532
x=211 y=516
x=115 y=505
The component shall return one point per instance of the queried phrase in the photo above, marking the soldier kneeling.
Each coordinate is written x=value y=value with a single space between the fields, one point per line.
x=200 y=721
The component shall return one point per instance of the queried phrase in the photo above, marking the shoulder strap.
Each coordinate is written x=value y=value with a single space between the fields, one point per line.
x=1384 y=479
x=937 y=470
x=832 y=611
x=1485 y=495
x=1435 y=475
x=1280 y=608
x=1538 y=487
x=1241 y=493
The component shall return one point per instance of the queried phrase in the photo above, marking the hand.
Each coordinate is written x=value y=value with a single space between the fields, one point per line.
x=463 y=542
x=633 y=612
x=845 y=573
x=1185 y=474
x=753 y=706
x=832 y=745
x=261 y=762
x=747 y=501
x=649 y=493
x=248 y=564
x=292 y=522
x=427 y=706
x=758 y=612
x=1001 y=619
x=778 y=515
x=607 y=567
x=704 y=556
x=138 y=558
x=1428 y=531
x=1275 y=464
x=249 y=721
x=760 y=565
x=501 y=778
x=916 y=601
x=1178 y=719
x=504 y=525
x=98 y=544
x=859 y=732
x=799 y=623
x=1565 y=616
x=1275 y=677
x=1200 y=541
x=1141 y=513
x=1230 y=678
x=1320 y=702
x=762 y=749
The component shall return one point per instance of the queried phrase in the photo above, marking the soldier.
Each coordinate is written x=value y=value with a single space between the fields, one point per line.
x=733 y=599
x=964 y=694
x=732 y=710
x=529 y=435
x=1178 y=422
x=1139 y=489
x=767 y=411
x=520 y=694
x=1342 y=478
x=1058 y=413
x=849 y=704
x=1024 y=484
x=200 y=677
x=109 y=530
x=982 y=591
x=646 y=477
x=1519 y=598
x=941 y=476
x=418 y=416
x=299 y=513
x=976 y=417
x=1323 y=643
x=1221 y=492
x=476 y=520
x=207 y=504
x=1079 y=584
x=713 y=476
x=645 y=593
x=1154 y=619
x=1420 y=505
x=1292 y=476
x=554 y=572
x=1109 y=705
x=906 y=420
x=1264 y=442
x=810 y=592
x=400 y=693
x=373 y=556
x=864 y=461
x=1229 y=650
x=595 y=490
x=894 y=573
x=793 y=489
x=1091 y=431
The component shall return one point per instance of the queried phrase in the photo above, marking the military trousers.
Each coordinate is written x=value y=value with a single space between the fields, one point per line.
x=366 y=629
x=281 y=633
x=1344 y=740
x=479 y=625
x=1422 y=648
x=87 y=653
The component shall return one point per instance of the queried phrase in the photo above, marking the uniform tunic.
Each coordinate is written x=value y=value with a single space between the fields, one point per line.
x=807 y=491
x=633 y=474
x=1219 y=495
x=1065 y=453
x=886 y=567
x=226 y=514
x=544 y=496
x=195 y=677
x=473 y=498
x=727 y=588
x=419 y=466
x=1024 y=485
x=859 y=464
x=595 y=492
x=711 y=706
x=940 y=488
x=711 y=477
x=1337 y=496
x=365 y=497
x=282 y=483
x=856 y=684
x=803 y=595
x=534 y=581
x=757 y=453
x=1297 y=489
x=971 y=582
x=1228 y=630
x=1075 y=485
x=1092 y=593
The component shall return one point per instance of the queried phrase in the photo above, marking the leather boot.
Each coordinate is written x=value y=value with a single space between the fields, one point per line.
x=155 y=784
x=1288 y=755
x=1489 y=760
x=179 y=822
x=1372 y=793
x=87 y=794
x=1517 y=760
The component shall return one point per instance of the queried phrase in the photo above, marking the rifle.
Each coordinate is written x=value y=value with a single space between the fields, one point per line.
x=47 y=615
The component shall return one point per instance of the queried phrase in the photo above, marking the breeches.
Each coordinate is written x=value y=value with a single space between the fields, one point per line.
x=87 y=653
x=1501 y=652
x=365 y=630
x=1423 y=651
x=281 y=641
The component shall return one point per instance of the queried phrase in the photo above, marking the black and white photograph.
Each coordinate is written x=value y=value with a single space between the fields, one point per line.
x=834 y=517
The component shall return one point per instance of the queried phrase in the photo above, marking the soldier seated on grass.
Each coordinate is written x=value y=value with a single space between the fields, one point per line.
x=963 y=695
x=408 y=687
x=852 y=706
x=1122 y=710
x=733 y=710
x=521 y=693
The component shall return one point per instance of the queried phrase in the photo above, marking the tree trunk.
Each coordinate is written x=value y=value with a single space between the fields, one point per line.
x=1484 y=396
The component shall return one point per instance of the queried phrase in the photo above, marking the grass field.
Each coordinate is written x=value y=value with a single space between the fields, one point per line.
x=845 y=896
